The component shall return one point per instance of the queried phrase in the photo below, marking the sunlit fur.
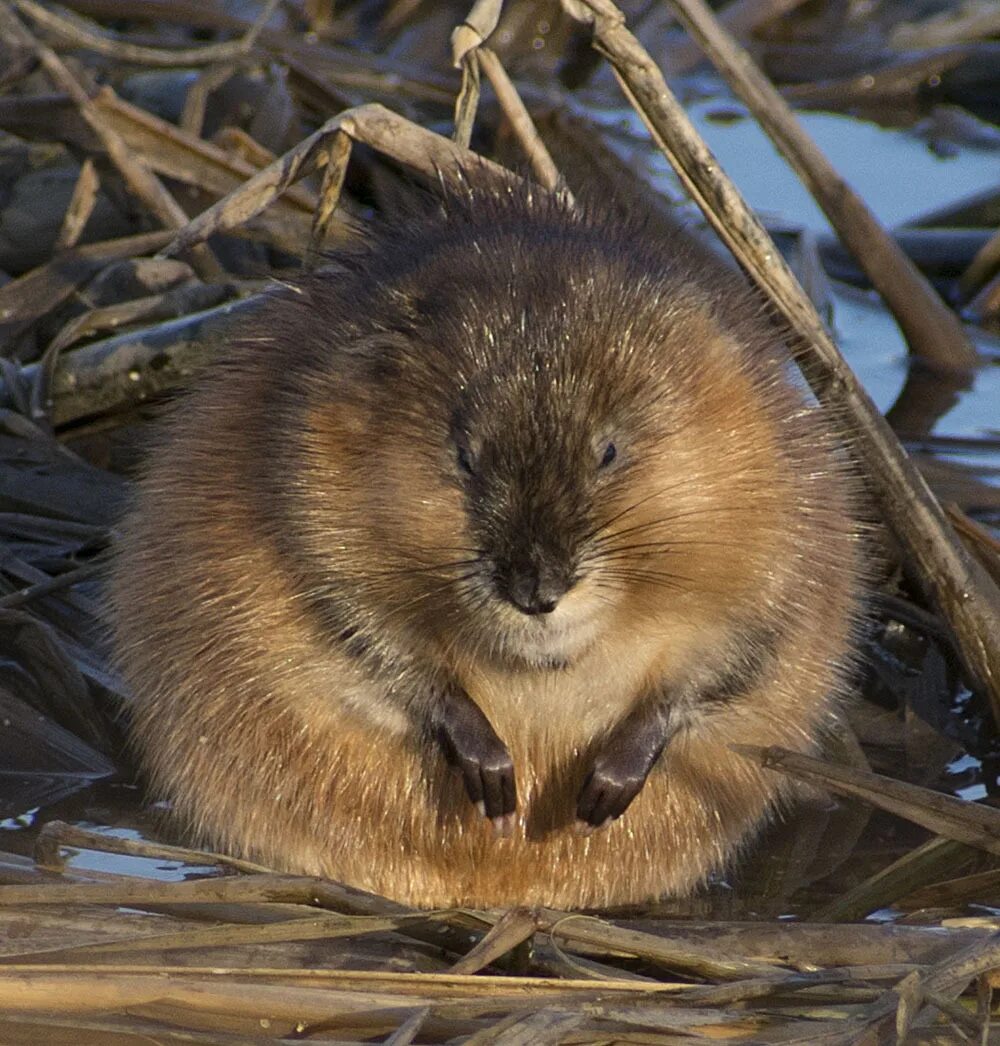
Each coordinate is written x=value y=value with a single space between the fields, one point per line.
x=308 y=562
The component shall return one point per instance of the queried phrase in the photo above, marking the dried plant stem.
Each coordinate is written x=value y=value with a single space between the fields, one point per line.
x=50 y=585
x=471 y=56
x=128 y=369
x=74 y=32
x=289 y=994
x=408 y=1030
x=982 y=267
x=980 y=542
x=971 y=823
x=935 y=857
x=249 y=889
x=962 y=590
x=57 y=834
x=981 y=887
x=511 y=930
x=24 y=300
x=338 y=153
x=985 y=306
x=906 y=998
x=374 y=125
x=932 y=330
x=684 y=955
x=467 y=101
x=521 y=123
x=465 y=41
x=81 y=206
x=325 y=927
x=740 y=17
x=196 y=100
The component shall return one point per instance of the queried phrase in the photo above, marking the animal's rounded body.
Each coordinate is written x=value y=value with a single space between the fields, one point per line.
x=516 y=489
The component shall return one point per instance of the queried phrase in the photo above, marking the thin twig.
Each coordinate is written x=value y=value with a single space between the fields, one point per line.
x=48 y=587
x=466 y=39
x=520 y=121
x=80 y=208
x=114 y=46
x=971 y=823
x=375 y=126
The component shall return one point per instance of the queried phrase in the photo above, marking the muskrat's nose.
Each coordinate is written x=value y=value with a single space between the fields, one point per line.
x=533 y=590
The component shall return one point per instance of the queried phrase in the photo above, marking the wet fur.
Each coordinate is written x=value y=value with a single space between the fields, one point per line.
x=303 y=569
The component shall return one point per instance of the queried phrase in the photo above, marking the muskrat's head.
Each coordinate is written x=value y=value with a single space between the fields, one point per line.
x=532 y=426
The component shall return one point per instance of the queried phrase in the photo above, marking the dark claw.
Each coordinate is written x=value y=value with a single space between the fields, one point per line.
x=470 y=744
x=487 y=771
x=606 y=795
x=621 y=767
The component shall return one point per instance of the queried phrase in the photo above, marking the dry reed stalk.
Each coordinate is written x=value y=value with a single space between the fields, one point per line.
x=894 y=881
x=681 y=955
x=325 y=928
x=982 y=267
x=471 y=56
x=510 y=931
x=740 y=17
x=56 y=834
x=313 y=983
x=520 y=121
x=49 y=585
x=970 y=823
x=131 y=368
x=408 y=1030
x=280 y=889
x=421 y=150
x=187 y=158
x=24 y=300
x=74 y=32
x=979 y=541
x=981 y=887
x=81 y=206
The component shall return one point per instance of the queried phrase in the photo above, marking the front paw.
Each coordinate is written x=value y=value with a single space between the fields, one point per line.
x=471 y=746
x=620 y=770
x=607 y=793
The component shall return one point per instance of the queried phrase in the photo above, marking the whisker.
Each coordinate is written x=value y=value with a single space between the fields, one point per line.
x=421 y=597
x=663 y=547
x=625 y=511
x=660 y=521
x=651 y=576
x=655 y=582
x=429 y=569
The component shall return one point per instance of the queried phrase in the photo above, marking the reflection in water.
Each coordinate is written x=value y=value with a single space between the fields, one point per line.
x=927 y=396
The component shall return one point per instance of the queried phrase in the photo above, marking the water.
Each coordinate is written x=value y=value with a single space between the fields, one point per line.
x=918 y=181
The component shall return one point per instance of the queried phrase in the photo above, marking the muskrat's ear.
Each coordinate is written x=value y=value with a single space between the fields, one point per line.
x=420 y=309
x=380 y=355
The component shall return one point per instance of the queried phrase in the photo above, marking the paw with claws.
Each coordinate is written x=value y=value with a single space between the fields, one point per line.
x=620 y=768
x=471 y=747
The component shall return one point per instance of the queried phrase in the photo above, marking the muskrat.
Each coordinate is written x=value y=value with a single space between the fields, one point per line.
x=520 y=490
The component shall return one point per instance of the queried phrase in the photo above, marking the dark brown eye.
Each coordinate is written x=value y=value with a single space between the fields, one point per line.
x=609 y=455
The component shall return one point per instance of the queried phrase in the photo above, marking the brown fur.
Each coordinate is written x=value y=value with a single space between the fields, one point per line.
x=306 y=488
